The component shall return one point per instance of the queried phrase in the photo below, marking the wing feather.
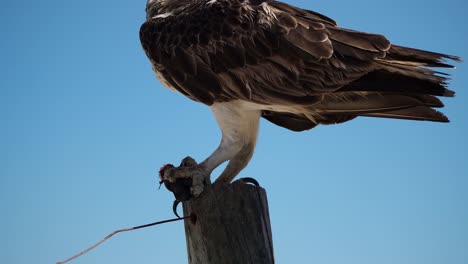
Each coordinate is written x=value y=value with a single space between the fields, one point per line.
x=272 y=53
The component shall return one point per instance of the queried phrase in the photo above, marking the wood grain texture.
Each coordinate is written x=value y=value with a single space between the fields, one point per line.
x=232 y=226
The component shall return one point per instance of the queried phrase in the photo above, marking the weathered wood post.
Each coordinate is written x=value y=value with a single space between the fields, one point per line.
x=232 y=225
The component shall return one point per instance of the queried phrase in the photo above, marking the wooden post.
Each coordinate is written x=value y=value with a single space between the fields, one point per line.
x=232 y=225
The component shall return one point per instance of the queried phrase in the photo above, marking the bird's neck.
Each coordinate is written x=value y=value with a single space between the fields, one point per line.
x=157 y=7
x=153 y=7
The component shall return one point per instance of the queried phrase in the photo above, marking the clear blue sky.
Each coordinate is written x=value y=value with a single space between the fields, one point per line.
x=85 y=127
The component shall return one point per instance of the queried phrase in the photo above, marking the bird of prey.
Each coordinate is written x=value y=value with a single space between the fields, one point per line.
x=252 y=59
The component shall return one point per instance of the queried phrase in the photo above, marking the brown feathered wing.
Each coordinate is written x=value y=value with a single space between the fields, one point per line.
x=282 y=56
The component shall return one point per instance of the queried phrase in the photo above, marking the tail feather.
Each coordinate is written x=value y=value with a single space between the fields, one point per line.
x=420 y=113
x=387 y=105
x=385 y=81
x=422 y=57
x=429 y=100
x=403 y=87
x=361 y=104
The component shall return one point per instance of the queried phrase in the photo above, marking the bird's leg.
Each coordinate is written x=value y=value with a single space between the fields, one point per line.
x=198 y=175
x=236 y=164
x=239 y=127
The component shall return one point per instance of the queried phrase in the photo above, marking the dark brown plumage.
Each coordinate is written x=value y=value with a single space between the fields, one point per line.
x=294 y=67
x=277 y=54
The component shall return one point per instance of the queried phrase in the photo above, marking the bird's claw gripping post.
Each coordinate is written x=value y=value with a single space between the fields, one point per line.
x=174 y=208
x=186 y=181
x=250 y=180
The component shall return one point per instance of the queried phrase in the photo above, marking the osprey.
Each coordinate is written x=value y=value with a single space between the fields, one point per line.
x=296 y=68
